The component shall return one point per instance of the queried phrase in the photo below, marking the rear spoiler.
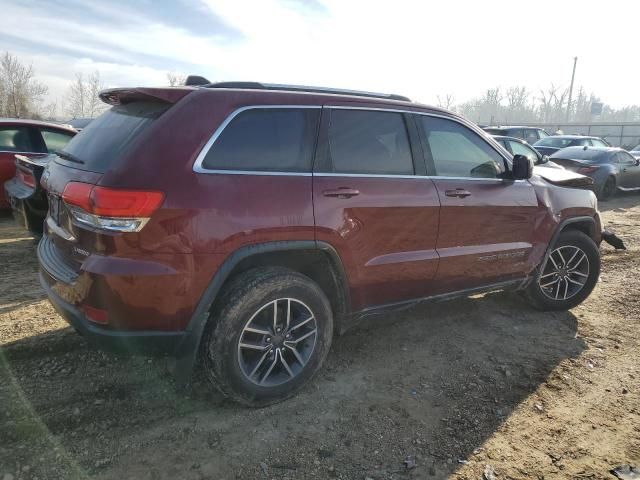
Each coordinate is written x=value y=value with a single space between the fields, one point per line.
x=121 y=96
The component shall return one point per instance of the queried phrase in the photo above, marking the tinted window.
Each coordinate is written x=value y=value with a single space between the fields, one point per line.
x=579 y=153
x=459 y=152
x=100 y=143
x=515 y=132
x=531 y=136
x=267 y=139
x=369 y=142
x=518 y=148
x=15 y=139
x=55 y=139
x=561 y=142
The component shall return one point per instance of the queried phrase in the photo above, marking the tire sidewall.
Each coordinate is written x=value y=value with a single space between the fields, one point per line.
x=604 y=194
x=221 y=350
x=587 y=245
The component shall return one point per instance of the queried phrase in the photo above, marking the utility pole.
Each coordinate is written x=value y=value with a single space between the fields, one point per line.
x=573 y=76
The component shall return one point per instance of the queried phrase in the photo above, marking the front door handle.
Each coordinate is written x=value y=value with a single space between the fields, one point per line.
x=342 y=192
x=458 y=192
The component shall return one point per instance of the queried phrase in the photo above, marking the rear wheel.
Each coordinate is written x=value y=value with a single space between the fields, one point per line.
x=608 y=189
x=568 y=275
x=270 y=335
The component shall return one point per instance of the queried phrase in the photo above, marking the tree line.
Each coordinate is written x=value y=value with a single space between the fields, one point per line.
x=23 y=96
x=518 y=105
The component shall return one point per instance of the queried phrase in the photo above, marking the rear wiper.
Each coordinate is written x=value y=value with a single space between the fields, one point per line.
x=68 y=156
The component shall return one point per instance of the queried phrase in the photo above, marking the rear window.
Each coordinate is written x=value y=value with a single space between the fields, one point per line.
x=369 y=142
x=106 y=137
x=55 y=139
x=582 y=154
x=266 y=139
x=558 y=142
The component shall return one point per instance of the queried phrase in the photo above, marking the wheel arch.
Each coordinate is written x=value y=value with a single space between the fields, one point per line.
x=584 y=224
x=317 y=260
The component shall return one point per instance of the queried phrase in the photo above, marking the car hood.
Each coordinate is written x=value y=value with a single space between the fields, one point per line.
x=563 y=178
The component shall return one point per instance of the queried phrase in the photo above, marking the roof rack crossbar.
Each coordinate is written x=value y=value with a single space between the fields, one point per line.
x=302 y=88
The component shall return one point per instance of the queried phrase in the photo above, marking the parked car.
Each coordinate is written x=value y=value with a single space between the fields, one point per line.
x=29 y=138
x=27 y=197
x=550 y=145
x=517 y=146
x=611 y=168
x=245 y=224
x=529 y=134
x=635 y=151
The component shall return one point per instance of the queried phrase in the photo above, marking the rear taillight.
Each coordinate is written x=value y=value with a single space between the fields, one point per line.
x=112 y=209
x=586 y=170
x=27 y=178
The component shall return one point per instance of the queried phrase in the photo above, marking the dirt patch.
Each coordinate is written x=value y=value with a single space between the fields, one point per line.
x=453 y=386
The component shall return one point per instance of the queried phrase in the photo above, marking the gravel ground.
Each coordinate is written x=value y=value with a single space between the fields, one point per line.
x=446 y=390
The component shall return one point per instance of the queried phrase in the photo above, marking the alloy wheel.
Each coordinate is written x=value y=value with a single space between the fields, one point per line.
x=277 y=342
x=565 y=273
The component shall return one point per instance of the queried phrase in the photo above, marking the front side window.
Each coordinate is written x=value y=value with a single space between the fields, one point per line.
x=55 y=140
x=266 y=139
x=519 y=149
x=625 y=159
x=457 y=151
x=598 y=143
x=369 y=142
x=15 y=139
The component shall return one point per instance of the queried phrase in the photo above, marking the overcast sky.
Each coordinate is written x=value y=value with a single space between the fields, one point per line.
x=421 y=49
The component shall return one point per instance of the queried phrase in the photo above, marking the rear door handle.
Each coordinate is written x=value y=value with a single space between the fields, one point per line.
x=458 y=192
x=342 y=192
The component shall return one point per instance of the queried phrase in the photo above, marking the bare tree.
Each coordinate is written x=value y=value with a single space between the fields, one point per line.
x=20 y=93
x=446 y=101
x=175 y=79
x=82 y=99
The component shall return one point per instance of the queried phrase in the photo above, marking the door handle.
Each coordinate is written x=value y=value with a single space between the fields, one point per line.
x=342 y=192
x=458 y=192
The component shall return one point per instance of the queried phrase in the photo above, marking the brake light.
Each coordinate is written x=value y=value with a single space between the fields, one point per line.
x=27 y=178
x=590 y=169
x=111 y=208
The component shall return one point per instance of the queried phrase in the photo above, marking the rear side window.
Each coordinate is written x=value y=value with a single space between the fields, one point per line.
x=106 y=137
x=54 y=139
x=516 y=132
x=598 y=143
x=266 y=139
x=16 y=139
x=457 y=151
x=369 y=142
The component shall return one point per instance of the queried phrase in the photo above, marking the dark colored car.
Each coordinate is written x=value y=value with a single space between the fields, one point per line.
x=244 y=224
x=529 y=134
x=611 y=168
x=30 y=138
x=517 y=146
x=550 y=145
x=27 y=197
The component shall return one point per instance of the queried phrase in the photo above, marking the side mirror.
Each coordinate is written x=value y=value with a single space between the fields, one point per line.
x=522 y=167
x=544 y=159
x=637 y=162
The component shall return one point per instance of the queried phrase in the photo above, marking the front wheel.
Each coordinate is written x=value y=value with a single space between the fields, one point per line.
x=270 y=335
x=568 y=274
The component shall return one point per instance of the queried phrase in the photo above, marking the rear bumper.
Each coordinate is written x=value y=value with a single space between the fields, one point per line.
x=113 y=340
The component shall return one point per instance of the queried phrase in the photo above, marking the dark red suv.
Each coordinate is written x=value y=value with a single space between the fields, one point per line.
x=245 y=224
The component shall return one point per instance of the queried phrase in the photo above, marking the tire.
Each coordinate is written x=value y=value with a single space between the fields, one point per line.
x=551 y=296
x=248 y=302
x=608 y=189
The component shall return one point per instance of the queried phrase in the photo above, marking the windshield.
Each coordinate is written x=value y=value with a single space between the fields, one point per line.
x=100 y=143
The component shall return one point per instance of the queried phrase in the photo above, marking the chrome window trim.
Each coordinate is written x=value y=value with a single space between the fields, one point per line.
x=197 y=166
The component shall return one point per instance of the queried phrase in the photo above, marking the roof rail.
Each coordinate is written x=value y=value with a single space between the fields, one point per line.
x=301 y=88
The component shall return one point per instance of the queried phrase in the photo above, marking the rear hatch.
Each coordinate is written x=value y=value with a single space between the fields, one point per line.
x=75 y=224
